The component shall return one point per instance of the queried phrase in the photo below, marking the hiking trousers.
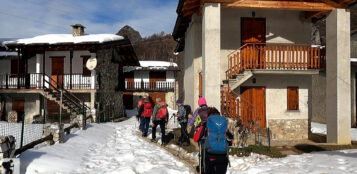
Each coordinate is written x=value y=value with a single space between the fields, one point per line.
x=215 y=164
x=162 y=127
x=184 y=134
x=145 y=121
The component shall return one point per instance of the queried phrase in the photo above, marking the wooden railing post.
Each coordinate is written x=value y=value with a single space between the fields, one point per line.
x=7 y=81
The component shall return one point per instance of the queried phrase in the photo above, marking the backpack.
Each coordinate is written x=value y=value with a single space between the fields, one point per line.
x=162 y=113
x=188 y=110
x=216 y=135
x=203 y=112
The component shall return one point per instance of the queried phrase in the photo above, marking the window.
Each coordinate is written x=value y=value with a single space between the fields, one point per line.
x=86 y=71
x=293 y=98
x=14 y=67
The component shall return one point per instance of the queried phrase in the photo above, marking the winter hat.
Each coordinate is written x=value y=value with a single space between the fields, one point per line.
x=179 y=101
x=202 y=101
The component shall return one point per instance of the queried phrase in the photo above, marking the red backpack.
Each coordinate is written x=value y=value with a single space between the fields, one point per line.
x=162 y=113
x=147 y=110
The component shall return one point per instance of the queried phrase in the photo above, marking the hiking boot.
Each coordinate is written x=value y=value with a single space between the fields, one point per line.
x=163 y=144
x=154 y=140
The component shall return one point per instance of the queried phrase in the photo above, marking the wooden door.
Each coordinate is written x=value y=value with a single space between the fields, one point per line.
x=200 y=87
x=128 y=100
x=156 y=76
x=253 y=106
x=154 y=95
x=18 y=105
x=57 y=71
x=253 y=30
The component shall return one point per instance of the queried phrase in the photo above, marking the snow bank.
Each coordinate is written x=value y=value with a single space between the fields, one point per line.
x=66 y=38
x=321 y=129
x=341 y=162
x=103 y=148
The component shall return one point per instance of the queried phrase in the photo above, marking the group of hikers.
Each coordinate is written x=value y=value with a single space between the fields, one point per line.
x=205 y=125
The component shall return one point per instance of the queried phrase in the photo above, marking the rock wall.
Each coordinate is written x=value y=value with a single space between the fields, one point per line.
x=285 y=129
x=108 y=95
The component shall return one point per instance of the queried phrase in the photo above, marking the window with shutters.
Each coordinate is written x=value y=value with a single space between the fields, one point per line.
x=86 y=71
x=293 y=98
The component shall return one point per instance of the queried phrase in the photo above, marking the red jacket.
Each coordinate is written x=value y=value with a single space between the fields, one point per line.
x=147 y=110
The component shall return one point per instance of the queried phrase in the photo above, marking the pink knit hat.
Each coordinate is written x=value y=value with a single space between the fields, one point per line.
x=202 y=101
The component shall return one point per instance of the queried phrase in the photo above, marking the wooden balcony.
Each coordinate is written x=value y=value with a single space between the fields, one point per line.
x=158 y=86
x=36 y=81
x=275 y=56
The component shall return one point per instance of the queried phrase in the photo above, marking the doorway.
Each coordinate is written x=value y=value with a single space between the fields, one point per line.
x=253 y=106
x=154 y=95
x=253 y=30
x=57 y=72
x=18 y=105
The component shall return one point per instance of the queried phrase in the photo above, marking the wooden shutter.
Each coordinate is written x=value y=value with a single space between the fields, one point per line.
x=293 y=98
x=86 y=71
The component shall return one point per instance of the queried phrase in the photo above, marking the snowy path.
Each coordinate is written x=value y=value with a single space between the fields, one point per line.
x=103 y=148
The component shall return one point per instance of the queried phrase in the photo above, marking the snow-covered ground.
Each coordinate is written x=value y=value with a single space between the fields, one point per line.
x=103 y=148
x=321 y=129
x=116 y=148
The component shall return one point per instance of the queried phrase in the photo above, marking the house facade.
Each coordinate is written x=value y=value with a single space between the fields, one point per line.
x=49 y=76
x=156 y=79
x=255 y=61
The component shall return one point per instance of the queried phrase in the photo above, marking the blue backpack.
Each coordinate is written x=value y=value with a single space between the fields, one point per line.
x=216 y=135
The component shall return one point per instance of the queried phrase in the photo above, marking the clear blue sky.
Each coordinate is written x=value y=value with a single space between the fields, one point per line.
x=27 y=18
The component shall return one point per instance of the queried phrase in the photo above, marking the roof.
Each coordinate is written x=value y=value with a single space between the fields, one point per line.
x=310 y=8
x=51 y=39
x=153 y=66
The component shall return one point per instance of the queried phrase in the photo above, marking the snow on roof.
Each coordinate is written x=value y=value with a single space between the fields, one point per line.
x=151 y=65
x=7 y=53
x=66 y=38
x=156 y=64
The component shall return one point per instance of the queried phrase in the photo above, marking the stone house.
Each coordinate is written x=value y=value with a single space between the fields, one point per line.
x=254 y=61
x=156 y=79
x=47 y=67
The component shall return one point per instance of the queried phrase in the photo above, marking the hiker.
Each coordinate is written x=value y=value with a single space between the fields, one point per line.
x=138 y=106
x=182 y=118
x=160 y=117
x=145 y=116
x=214 y=150
x=199 y=116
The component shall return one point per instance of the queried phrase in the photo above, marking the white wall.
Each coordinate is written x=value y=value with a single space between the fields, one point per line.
x=5 y=66
x=276 y=95
x=282 y=26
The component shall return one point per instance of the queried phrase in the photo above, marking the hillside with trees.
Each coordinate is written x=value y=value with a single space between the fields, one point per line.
x=159 y=46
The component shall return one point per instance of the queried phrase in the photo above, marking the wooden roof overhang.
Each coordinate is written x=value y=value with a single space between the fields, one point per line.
x=310 y=8
x=123 y=49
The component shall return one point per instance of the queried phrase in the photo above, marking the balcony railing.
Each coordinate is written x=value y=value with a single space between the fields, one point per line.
x=35 y=80
x=275 y=56
x=149 y=86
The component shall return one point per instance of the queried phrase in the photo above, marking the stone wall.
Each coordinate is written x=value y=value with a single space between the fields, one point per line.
x=108 y=96
x=289 y=129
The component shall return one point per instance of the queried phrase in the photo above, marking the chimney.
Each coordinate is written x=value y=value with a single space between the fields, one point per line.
x=77 y=30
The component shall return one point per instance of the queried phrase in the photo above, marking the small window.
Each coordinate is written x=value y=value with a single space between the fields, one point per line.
x=293 y=98
x=86 y=71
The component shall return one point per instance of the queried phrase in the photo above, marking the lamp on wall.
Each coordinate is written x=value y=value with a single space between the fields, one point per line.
x=253 y=14
x=254 y=80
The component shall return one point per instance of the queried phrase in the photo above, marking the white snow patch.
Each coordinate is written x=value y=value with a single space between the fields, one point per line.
x=103 y=148
x=7 y=53
x=321 y=129
x=66 y=38
x=156 y=63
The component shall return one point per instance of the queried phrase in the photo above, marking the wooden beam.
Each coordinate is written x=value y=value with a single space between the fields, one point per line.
x=285 y=5
x=314 y=14
x=334 y=3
